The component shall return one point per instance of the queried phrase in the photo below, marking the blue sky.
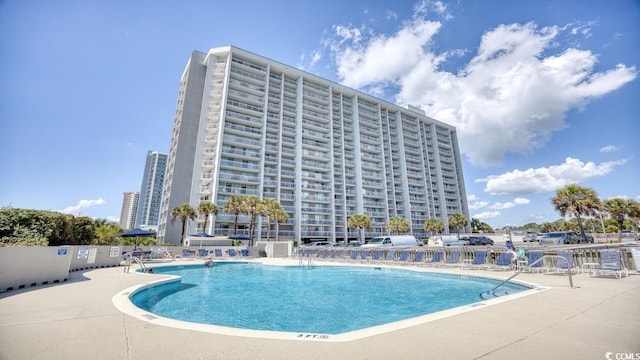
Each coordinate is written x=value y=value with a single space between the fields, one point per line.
x=543 y=93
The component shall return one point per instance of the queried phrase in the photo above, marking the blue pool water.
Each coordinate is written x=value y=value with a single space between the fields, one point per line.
x=328 y=300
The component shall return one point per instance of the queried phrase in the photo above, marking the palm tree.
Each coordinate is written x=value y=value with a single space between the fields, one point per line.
x=398 y=225
x=252 y=206
x=486 y=227
x=476 y=225
x=271 y=207
x=620 y=209
x=106 y=232
x=183 y=212
x=434 y=225
x=207 y=208
x=279 y=216
x=234 y=206
x=577 y=201
x=360 y=222
x=457 y=221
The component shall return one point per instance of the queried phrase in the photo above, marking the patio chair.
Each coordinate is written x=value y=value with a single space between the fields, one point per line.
x=564 y=263
x=342 y=255
x=202 y=253
x=503 y=262
x=534 y=264
x=391 y=254
x=453 y=258
x=187 y=254
x=404 y=256
x=436 y=258
x=419 y=257
x=377 y=255
x=364 y=254
x=479 y=260
x=611 y=264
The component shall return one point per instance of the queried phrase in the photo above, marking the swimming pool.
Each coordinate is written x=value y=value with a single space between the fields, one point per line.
x=321 y=300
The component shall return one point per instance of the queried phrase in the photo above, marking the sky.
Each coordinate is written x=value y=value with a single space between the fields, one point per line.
x=542 y=93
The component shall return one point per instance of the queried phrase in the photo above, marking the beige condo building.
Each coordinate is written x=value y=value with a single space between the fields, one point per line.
x=248 y=125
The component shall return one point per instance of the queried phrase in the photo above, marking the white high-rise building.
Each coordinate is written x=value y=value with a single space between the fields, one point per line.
x=151 y=190
x=247 y=125
x=129 y=209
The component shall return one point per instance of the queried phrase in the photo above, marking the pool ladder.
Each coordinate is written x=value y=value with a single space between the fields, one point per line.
x=493 y=291
x=136 y=260
x=308 y=265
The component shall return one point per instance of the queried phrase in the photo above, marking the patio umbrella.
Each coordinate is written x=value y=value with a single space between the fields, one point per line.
x=136 y=233
x=201 y=234
x=240 y=237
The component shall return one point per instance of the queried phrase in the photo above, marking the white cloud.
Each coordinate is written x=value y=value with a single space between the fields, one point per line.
x=510 y=97
x=547 y=178
x=510 y=204
x=608 y=148
x=82 y=204
x=502 y=206
x=391 y=15
x=478 y=205
x=487 y=215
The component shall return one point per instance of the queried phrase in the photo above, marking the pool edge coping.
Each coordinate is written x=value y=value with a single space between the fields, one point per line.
x=122 y=302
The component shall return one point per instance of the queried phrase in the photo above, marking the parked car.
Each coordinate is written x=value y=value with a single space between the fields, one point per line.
x=349 y=244
x=453 y=240
x=479 y=240
x=318 y=243
x=530 y=237
x=393 y=240
x=589 y=238
x=560 y=238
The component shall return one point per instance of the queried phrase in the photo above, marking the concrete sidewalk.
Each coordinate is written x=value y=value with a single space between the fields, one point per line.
x=77 y=320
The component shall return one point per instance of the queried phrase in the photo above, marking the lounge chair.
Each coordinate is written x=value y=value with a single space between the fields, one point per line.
x=534 y=264
x=453 y=258
x=342 y=255
x=217 y=252
x=436 y=259
x=611 y=264
x=187 y=254
x=404 y=256
x=202 y=253
x=391 y=254
x=377 y=255
x=564 y=263
x=364 y=254
x=479 y=260
x=419 y=257
x=231 y=252
x=504 y=262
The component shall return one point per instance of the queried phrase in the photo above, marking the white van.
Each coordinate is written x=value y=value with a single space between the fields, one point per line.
x=453 y=240
x=393 y=240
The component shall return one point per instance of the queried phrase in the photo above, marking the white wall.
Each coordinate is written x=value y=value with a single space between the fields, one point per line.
x=30 y=266
x=91 y=257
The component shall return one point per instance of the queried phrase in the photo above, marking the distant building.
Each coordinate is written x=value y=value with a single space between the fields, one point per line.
x=151 y=191
x=129 y=209
x=247 y=125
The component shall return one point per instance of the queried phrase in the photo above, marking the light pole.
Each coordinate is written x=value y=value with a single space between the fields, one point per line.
x=604 y=230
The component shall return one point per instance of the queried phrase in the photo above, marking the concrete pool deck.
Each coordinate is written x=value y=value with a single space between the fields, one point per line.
x=77 y=320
